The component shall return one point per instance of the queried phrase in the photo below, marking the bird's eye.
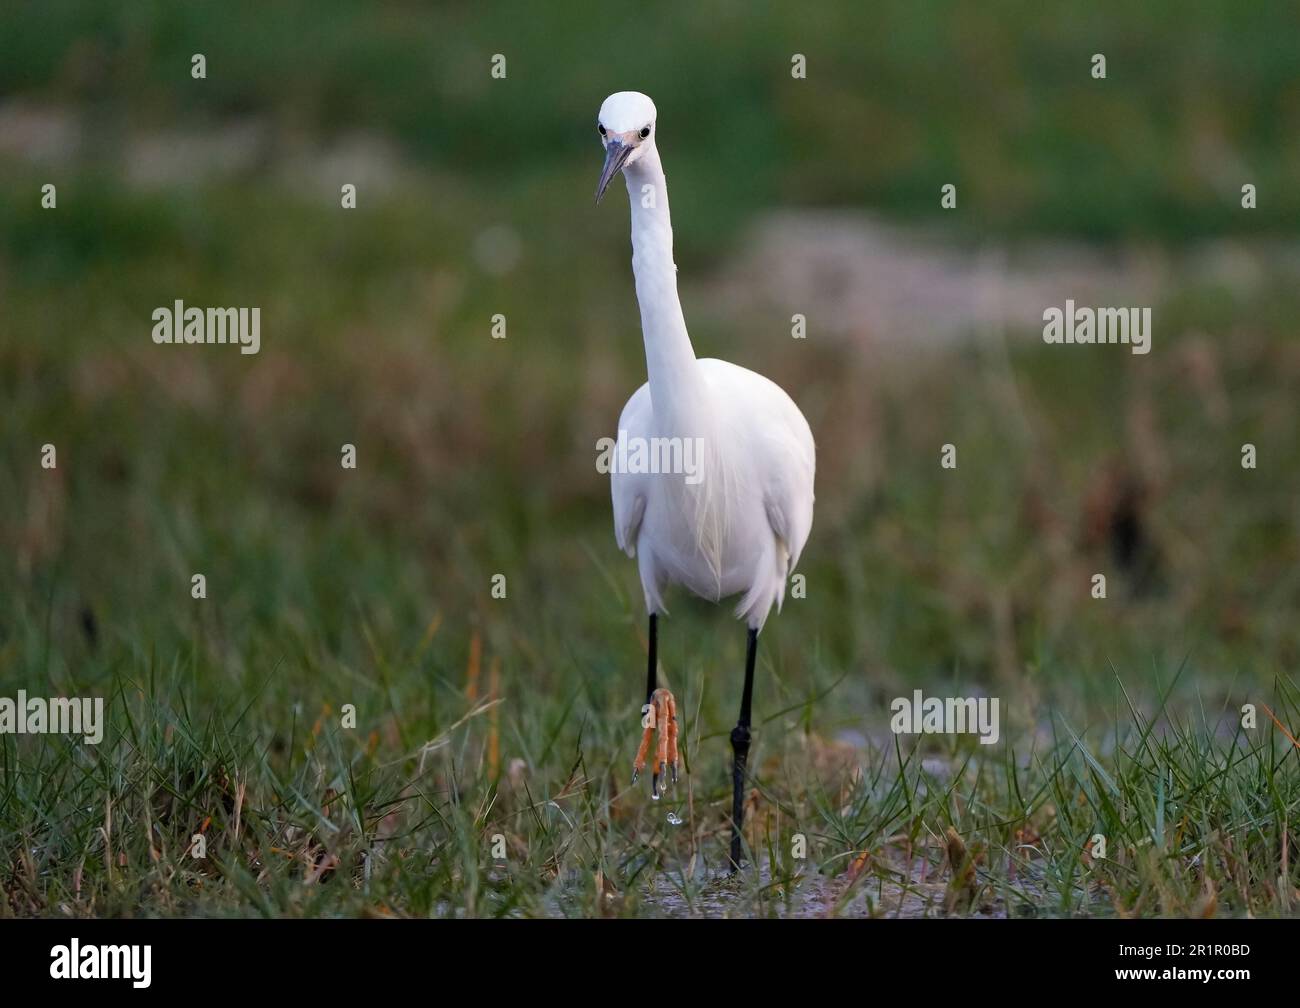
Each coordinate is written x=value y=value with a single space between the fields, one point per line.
x=645 y=132
x=601 y=128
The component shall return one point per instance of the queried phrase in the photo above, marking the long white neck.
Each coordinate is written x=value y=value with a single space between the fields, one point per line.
x=676 y=387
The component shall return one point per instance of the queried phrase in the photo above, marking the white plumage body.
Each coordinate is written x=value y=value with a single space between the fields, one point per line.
x=741 y=528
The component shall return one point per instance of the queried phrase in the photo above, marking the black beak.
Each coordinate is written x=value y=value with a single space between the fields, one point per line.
x=616 y=155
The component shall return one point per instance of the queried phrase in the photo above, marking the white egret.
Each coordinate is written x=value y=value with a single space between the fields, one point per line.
x=732 y=510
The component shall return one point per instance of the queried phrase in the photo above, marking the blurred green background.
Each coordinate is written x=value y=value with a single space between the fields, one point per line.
x=371 y=586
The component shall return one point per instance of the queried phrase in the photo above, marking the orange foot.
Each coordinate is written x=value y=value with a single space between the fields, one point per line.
x=660 y=716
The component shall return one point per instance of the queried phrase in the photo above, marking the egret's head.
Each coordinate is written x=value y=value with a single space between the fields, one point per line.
x=627 y=129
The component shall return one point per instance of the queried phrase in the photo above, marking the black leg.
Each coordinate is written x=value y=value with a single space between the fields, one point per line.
x=651 y=678
x=740 y=751
x=654 y=658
